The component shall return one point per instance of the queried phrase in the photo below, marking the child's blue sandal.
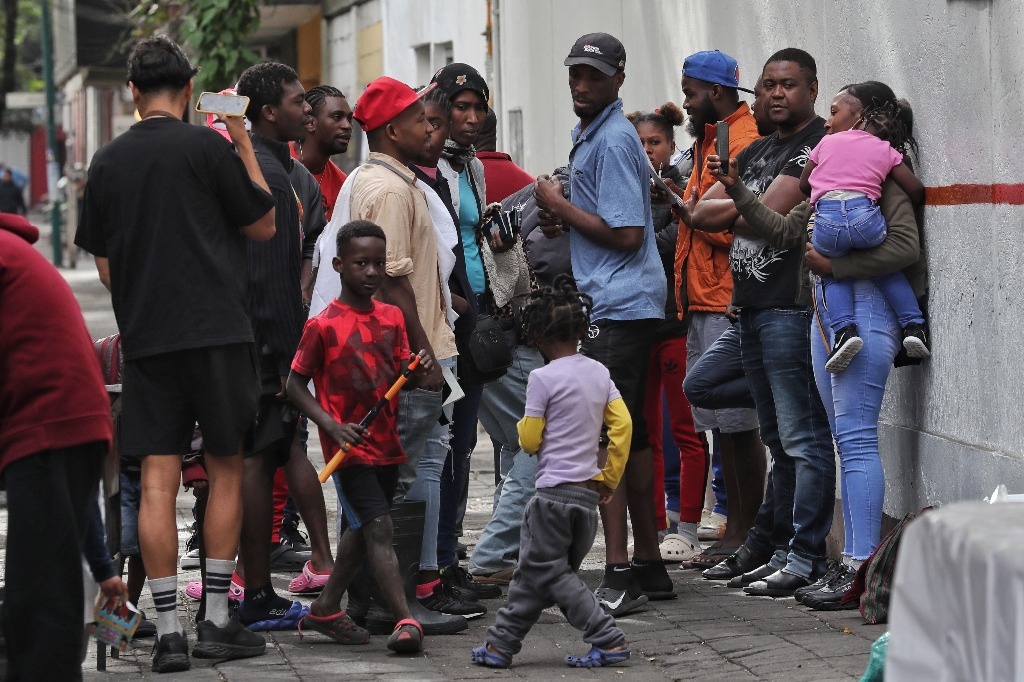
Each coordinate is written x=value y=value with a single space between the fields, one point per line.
x=596 y=658
x=492 y=659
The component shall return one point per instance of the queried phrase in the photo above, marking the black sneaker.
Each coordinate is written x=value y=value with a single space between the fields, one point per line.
x=845 y=345
x=915 y=341
x=284 y=557
x=834 y=568
x=234 y=640
x=292 y=536
x=444 y=600
x=462 y=584
x=619 y=592
x=170 y=654
x=830 y=596
x=652 y=576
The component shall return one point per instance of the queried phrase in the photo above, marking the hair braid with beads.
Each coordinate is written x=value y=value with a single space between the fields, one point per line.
x=558 y=312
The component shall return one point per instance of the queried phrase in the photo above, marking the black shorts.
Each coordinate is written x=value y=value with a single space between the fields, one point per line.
x=276 y=421
x=165 y=395
x=366 y=493
x=622 y=346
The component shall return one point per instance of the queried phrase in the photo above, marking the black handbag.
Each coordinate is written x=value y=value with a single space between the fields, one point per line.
x=486 y=354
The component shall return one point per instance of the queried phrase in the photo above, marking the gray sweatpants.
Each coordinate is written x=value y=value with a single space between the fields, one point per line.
x=558 y=530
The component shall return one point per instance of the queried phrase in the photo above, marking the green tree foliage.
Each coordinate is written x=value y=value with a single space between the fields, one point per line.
x=22 y=58
x=217 y=33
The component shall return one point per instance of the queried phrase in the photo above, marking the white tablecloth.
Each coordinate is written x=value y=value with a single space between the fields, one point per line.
x=957 y=610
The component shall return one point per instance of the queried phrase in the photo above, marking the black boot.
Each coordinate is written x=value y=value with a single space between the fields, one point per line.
x=407 y=520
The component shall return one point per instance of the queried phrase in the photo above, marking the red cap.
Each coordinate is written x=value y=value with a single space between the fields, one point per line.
x=383 y=100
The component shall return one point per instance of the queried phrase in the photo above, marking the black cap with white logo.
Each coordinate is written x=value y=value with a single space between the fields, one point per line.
x=599 y=50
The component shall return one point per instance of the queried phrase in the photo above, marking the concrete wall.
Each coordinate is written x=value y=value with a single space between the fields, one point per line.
x=949 y=429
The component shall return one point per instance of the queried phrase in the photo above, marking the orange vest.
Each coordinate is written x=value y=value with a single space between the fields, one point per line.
x=703 y=279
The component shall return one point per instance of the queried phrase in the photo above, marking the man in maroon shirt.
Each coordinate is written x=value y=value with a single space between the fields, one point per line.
x=502 y=176
x=54 y=433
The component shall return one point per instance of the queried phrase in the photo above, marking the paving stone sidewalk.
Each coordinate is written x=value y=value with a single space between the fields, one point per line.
x=709 y=632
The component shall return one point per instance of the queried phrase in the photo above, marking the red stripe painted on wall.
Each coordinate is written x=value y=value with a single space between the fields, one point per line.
x=954 y=195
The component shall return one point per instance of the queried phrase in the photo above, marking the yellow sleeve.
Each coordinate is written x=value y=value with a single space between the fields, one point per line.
x=531 y=432
x=620 y=432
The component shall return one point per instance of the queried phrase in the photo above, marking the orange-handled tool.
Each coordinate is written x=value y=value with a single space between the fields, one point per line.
x=370 y=416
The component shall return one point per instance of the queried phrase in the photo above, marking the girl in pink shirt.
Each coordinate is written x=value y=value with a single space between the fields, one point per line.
x=844 y=177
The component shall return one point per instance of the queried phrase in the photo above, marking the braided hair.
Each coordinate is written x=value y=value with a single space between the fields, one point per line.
x=892 y=121
x=315 y=97
x=558 y=312
x=437 y=96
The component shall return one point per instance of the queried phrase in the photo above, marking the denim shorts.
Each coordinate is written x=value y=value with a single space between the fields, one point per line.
x=365 y=492
x=841 y=226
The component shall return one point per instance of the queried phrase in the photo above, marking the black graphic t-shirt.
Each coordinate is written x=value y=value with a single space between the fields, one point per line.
x=765 y=276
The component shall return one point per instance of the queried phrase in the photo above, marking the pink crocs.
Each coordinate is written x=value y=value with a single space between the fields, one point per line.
x=235 y=592
x=309 y=581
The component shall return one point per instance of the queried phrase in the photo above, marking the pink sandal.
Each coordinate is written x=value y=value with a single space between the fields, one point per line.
x=309 y=581
x=235 y=591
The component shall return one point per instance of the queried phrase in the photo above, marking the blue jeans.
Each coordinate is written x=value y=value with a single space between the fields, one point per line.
x=776 y=347
x=842 y=226
x=853 y=400
x=455 y=476
x=501 y=407
x=426 y=444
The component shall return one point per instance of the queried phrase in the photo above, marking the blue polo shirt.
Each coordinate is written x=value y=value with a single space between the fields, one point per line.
x=608 y=176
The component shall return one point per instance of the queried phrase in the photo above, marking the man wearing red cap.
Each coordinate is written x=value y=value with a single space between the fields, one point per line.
x=383 y=191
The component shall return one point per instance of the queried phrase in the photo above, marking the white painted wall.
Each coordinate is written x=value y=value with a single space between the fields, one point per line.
x=951 y=428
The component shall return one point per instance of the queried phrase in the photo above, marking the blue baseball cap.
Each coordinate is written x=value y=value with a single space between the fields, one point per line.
x=713 y=66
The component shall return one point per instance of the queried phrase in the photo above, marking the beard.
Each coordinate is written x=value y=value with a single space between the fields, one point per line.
x=701 y=116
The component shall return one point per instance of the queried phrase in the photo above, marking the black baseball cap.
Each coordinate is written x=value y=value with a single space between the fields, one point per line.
x=599 y=50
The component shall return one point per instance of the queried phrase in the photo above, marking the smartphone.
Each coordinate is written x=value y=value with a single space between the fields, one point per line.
x=722 y=146
x=507 y=224
x=225 y=105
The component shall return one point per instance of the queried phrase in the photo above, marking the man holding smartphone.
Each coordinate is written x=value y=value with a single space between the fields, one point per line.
x=703 y=286
x=615 y=260
x=168 y=207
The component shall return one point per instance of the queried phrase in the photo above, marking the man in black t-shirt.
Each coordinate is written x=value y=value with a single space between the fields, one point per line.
x=785 y=550
x=167 y=210
x=279 y=114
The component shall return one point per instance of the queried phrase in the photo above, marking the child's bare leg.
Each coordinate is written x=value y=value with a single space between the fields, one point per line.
x=351 y=551
x=378 y=537
x=309 y=497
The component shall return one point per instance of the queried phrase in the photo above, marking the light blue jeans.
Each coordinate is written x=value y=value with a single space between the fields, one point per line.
x=426 y=444
x=853 y=400
x=502 y=406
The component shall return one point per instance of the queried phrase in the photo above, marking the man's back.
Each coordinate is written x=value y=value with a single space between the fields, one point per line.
x=164 y=203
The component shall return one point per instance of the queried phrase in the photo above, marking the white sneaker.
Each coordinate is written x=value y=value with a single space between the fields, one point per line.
x=713 y=528
x=190 y=560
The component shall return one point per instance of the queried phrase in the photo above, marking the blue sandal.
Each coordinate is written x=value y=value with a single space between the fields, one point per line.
x=596 y=658
x=491 y=659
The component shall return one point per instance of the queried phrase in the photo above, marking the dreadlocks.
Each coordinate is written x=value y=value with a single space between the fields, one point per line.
x=558 y=312
x=315 y=97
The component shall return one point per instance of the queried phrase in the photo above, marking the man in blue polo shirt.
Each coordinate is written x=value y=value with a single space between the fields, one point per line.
x=615 y=260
